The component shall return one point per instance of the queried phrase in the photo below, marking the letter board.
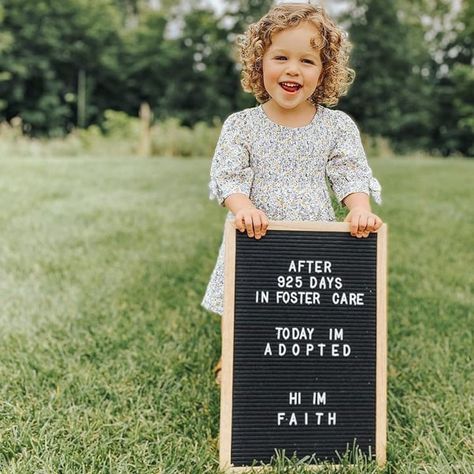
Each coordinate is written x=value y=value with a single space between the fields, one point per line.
x=304 y=344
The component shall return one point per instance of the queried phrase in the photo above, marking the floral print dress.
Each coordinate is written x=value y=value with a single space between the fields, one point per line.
x=284 y=171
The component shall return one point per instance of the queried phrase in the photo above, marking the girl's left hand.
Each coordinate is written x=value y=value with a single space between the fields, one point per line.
x=362 y=222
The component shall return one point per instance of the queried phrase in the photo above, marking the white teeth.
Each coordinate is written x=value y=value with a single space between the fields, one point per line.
x=290 y=84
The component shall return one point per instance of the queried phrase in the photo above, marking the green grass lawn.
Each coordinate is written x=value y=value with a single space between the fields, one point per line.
x=106 y=354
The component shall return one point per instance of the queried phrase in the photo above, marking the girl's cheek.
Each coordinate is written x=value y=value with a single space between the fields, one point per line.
x=268 y=81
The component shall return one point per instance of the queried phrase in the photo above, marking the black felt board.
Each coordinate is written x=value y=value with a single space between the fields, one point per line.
x=262 y=383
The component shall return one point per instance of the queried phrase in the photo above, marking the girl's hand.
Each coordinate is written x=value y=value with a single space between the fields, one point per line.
x=362 y=222
x=253 y=220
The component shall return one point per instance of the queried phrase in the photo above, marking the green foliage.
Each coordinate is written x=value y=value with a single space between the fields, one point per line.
x=120 y=125
x=202 y=82
x=145 y=64
x=456 y=115
x=390 y=96
x=455 y=88
x=412 y=59
x=245 y=12
x=169 y=138
x=53 y=40
x=118 y=136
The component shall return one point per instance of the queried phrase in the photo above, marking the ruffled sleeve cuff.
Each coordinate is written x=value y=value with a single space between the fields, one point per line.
x=221 y=192
x=375 y=190
x=371 y=187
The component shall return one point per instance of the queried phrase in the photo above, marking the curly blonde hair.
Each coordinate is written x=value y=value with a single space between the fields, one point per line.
x=334 y=52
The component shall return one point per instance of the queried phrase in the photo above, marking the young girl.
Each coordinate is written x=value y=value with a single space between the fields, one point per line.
x=271 y=161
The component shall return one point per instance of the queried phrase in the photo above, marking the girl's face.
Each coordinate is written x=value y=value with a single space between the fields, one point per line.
x=292 y=67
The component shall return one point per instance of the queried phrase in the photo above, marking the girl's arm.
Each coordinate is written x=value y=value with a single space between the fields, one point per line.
x=361 y=218
x=247 y=216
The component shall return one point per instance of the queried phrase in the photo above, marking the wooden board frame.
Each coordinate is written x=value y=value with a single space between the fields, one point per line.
x=225 y=433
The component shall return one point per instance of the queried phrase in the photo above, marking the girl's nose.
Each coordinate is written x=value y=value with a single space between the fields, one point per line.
x=292 y=69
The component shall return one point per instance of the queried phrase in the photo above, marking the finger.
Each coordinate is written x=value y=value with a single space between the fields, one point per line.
x=361 y=229
x=248 y=225
x=257 y=225
x=354 y=224
x=370 y=224
x=239 y=222
x=362 y=223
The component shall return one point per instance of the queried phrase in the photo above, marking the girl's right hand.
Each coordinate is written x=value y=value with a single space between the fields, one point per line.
x=252 y=220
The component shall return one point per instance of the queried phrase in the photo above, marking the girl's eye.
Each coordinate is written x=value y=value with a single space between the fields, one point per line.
x=280 y=58
x=308 y=61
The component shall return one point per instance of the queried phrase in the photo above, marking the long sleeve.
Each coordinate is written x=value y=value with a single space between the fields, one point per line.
x=347 y=168
x=230 y=168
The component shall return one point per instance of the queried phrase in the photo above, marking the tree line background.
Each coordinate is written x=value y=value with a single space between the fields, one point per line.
x=65 y=63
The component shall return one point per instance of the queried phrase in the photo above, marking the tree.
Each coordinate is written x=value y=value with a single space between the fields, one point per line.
x=6 y=44
x=202 y=81
x=391 y=96
x=53 y=41
x=455 y=85
x=145 y=70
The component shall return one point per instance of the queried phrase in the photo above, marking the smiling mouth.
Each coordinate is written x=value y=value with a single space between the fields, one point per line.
x=290 y=86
